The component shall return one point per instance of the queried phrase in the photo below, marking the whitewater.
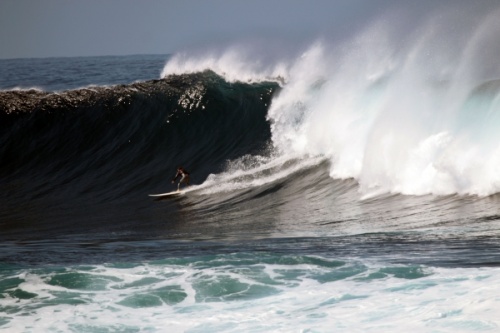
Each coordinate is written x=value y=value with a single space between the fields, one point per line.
x=349 y=185
x=415 y=118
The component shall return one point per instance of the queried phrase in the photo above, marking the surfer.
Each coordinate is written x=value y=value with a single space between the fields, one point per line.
x=184 y=177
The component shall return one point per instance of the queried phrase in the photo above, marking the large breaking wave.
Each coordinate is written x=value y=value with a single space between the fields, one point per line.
x=414 y=114
x=417 y=115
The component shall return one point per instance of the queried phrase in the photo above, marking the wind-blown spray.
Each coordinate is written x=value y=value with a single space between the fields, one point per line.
x=417 y=118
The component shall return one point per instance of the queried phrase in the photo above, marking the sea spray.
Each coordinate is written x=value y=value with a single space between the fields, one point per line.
x=235 y=64
x=387 y=119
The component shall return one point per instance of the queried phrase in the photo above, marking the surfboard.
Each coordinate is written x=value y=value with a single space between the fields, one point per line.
x=168 y=194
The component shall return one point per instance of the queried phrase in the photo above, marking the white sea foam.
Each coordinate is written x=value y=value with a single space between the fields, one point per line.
x=242 y=174
x=397 y=121
x=297 y=297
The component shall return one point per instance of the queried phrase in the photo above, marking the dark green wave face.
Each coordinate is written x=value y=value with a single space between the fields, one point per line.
x=88 y=151
x=102 y=135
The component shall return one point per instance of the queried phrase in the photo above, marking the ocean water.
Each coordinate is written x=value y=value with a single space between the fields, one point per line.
x=349 y=187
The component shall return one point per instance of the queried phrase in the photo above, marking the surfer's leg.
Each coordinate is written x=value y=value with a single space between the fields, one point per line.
x=183 y=179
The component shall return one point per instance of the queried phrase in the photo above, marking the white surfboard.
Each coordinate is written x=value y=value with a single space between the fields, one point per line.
x=168 y=194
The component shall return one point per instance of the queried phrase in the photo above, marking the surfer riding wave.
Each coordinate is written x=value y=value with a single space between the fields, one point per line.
x=181 y=172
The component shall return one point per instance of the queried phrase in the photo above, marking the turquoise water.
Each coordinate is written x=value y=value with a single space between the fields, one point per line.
x=249 y=292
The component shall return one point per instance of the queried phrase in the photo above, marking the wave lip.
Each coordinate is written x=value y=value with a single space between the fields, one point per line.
x=233 y=64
